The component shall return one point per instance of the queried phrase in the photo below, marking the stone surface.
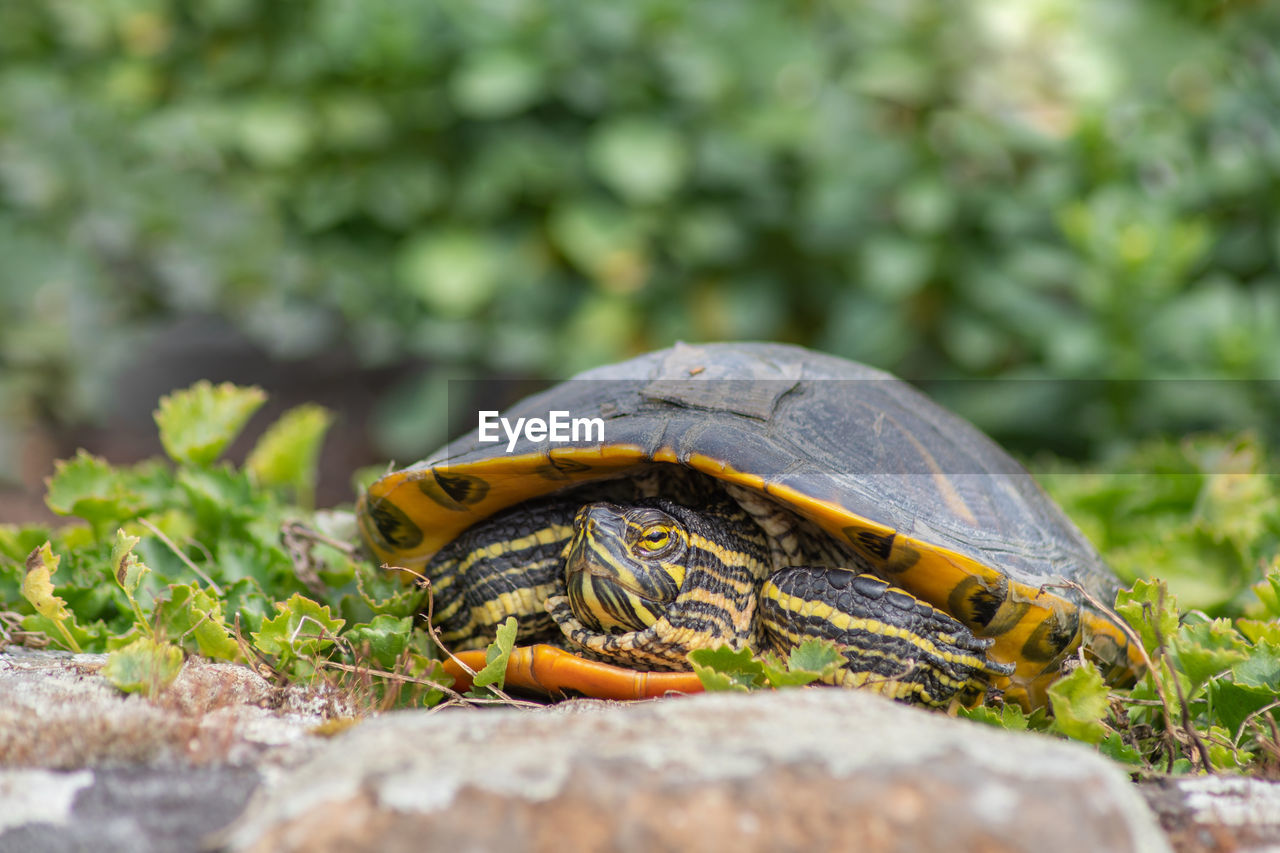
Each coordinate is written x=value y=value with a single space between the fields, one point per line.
x=57 y=712
x=86 y=768
x=795 y=770
x=119 y=810
x=1217 y=813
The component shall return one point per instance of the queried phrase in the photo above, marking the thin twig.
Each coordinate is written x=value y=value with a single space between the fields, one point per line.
x=159 y=534
x=390 y=676
x=1187 y=727
x=1255 y=715
x=434 y=633
x=1273 y=746
x=300 y=530
x=304 y=569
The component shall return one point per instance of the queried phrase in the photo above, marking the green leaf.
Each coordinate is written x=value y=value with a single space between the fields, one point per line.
x=496 y=83
x=386 y=636
x=287 y=453
x=1261 y=668
x=89 y=488
x=1150 y=610
x=1268 y=591
x=722 y=668
x=37 y=588
x=70 y=635
x=127 y=568
x=192 y=616
x=421 y=666
x=197 y=424
x=1234 y=703
x=778 y=675
x=1258 y=631
x=642 y=159
x=17 y=542
x=494 y=672
x=143 y=666
x=1114 y=747
x=246 y=601
x=812 y=659
x=1008 y=716
x=302 y=628
x=1079 y=702
x=1222 y=756
x=815 y=655
x=385 y=592
x=454 y=272
x=1207 y=649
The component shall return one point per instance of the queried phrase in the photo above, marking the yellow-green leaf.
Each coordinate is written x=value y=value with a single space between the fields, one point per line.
x=143 y=666
x=301 y=628
x=496 y=656
x=723 y=668
x=1079 y=703
x=127 y=568
x=289 y=450
x=1150 y=610
x=89 y=488
x=37 y=588
x=197 y=424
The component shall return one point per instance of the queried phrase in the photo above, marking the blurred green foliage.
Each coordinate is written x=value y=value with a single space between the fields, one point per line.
x=1046 y=189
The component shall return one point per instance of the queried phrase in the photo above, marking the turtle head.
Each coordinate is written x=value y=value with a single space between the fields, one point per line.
x=624 y=565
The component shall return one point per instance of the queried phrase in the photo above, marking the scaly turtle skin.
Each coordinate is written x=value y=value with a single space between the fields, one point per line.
x=834 y=470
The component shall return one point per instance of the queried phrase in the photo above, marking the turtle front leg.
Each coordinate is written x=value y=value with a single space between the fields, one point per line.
x=892 y=642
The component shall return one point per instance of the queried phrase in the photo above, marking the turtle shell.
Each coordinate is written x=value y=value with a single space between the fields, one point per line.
x=930 y=503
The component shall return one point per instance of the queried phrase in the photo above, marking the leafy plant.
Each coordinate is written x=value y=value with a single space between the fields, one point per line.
x=197 y=556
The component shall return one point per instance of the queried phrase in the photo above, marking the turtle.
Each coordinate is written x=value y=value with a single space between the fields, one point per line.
x=754 y=495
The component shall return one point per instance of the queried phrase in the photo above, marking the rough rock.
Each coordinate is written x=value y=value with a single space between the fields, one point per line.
x=225 y=760
x=85 y=768
x=57 y=712
x=1208 y=814
x=119 y=810
x=790 y=771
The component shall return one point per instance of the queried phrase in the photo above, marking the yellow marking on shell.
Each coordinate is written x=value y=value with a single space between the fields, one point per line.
x=932 y=577
x=511 y=479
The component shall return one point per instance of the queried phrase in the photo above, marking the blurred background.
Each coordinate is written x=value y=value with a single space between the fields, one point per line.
x=1035 y=210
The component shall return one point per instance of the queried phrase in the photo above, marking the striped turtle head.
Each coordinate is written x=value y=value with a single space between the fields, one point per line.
x=624 y=565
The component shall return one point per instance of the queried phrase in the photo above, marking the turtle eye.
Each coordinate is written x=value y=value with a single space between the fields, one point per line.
x=655 y=539
x=652 y=534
